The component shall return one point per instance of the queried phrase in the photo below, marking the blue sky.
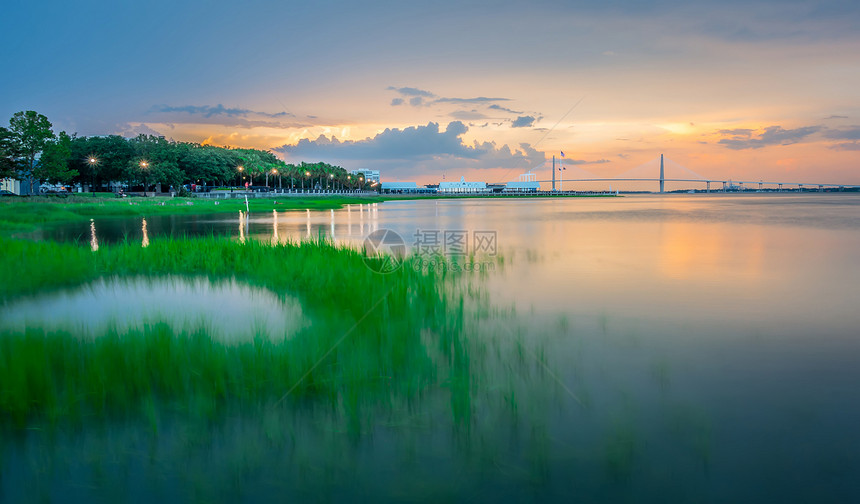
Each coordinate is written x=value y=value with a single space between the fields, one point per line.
x=753 y=88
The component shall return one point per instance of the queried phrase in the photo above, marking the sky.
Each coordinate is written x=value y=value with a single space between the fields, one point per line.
x=747 y=90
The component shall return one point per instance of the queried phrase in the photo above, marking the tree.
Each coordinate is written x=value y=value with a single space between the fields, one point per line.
x=30 y=134
x=7 y=154
x=113 y=154
x=161 y=161
x=54 y=163
x=205 y=163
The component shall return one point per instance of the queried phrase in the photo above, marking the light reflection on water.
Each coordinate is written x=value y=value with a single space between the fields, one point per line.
x=230 y=310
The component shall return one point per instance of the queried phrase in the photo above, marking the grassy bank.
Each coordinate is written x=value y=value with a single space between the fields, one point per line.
x=372 y=336
x=24 y=214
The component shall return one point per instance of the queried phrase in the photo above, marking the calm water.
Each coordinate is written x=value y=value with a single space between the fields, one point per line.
x=228 y=309
x=678 y=348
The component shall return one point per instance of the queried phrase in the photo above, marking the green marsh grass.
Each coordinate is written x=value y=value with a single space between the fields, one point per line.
x=364 y=342
x=418 y=359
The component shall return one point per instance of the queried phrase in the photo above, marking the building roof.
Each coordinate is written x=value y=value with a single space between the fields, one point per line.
x=522 y=185
x=462 y=184
x=399 y=185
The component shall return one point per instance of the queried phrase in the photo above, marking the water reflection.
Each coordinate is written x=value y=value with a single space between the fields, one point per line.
x=94 y=242
x=704 y=336
x=145 y=241
x=747 y=259
x=231 y=310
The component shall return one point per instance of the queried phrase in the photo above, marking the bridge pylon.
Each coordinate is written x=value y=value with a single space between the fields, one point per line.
x=662 y=175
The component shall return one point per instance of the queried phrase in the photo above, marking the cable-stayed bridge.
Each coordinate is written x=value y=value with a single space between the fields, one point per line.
x=662 y=170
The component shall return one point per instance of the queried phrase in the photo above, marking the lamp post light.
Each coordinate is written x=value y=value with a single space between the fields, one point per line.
x=143 y=166
x=240 y=168
x=331 y=178
x=307 y=174
x=93 y=161
x=275 y=172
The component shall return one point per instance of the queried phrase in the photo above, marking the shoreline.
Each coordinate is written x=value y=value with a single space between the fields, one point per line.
x=29 y=213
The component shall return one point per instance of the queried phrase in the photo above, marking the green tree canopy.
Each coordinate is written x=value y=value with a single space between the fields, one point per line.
x=30 y=135
x=7 y=154
x=29 y=146
x=160 y=158
x=54 y=165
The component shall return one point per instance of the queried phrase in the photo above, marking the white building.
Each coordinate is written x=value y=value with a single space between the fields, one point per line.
x=369 y=175
x=11 y=185
x=463 y=187
x=527 y=183
x=19 y=187
x=405 y=188
x=522 y=186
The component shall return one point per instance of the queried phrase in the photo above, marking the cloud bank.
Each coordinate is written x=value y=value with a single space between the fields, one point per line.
x=225 y=116
x=772 y=135
x=523 y=122
x=217 y=110
x=745 y=138
x=405 y=153
x=467 y=109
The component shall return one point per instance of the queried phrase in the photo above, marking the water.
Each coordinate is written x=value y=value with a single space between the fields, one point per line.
x=229 y=310
x=648 y=349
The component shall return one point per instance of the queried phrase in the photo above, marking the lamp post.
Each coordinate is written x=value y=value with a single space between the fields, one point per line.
x=275 y=172
x=240 y=168
x=331 y=178
x=307 y=174
x=143 y=166
x=93 y=161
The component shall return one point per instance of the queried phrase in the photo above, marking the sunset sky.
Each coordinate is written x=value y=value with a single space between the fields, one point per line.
x=753 y=89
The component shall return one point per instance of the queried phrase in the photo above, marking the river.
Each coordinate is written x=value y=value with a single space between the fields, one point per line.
x=690 y=348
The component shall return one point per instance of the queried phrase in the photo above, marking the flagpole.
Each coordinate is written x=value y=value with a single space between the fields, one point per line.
x=561 y=171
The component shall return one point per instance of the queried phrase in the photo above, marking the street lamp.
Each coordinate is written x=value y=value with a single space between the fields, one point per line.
x=307 y=174
x=143 y=166
x=93 y=161
x=331 y=177
x=240 y=168
x=275 y=172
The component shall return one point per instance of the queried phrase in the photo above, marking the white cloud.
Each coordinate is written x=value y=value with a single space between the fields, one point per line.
x=404 y=153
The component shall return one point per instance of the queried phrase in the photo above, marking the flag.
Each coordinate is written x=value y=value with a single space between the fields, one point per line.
x=562 y=153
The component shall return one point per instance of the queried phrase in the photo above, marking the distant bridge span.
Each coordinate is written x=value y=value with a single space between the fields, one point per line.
x=726 y=184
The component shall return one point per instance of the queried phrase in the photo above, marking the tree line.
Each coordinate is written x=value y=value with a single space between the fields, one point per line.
x=29 y=150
